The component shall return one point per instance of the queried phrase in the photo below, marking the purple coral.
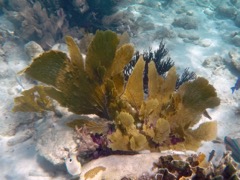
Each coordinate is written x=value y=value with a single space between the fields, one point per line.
x=174 y=139
x=84 y=140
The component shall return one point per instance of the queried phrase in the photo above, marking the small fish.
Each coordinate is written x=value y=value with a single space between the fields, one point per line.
x=236 y=86
x=73 y=165
x=211 y=155
x=217 y=141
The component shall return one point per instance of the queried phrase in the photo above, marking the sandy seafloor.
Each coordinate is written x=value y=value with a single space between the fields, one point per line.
x=19 y=158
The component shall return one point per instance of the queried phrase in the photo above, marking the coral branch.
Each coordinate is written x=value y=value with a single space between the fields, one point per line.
x=186 y=76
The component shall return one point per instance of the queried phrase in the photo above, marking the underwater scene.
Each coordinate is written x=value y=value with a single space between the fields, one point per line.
x=119 y=89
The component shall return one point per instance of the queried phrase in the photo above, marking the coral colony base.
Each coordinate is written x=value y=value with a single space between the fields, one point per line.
x=165 y=165
x=142 y=105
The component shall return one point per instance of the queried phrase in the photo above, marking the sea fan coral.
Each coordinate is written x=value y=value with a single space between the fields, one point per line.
x=167 y=113
x=162 y=120
x=90 y=89
x=32 y=21
x=48 y=21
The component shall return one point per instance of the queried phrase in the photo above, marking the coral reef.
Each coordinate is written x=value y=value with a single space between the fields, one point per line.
x=47 y=22
x=186 y=22
x=195 y=167
x=33 y=22
x=167 y=165
x=222 y=9
x=119 y=166
x=160 y=118
x=164 y=121
x=89 y=89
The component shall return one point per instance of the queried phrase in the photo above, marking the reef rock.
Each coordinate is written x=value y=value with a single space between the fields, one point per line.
x=53 y=144
x=186 y=22
x=33 y=49
x=214 y=62
x=164 y=165
x=205 y=42
x=11 y=121
x=226 y=11
x=164 y=32
x=118 y=167
x=235 y=59
x=237 y=20
x=20 y=138
x=189 y=36
x=236 y=40
x=60 y=47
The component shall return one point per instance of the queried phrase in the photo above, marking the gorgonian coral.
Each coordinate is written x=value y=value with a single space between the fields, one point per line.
x=161 y=119
x=48 y=21
x=166 y=116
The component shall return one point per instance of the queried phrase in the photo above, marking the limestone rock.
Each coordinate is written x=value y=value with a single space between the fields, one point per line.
x=163 y=32
x=236 y=40
x=189 y=36
x=226 y=11
x=9 y=121
x=186 y=22
x=145 y=23
x=205 y=42
x=213 y=62
x=237 y=20
x=4 y=70
x=54 y=139
x=118 y=167
x=33 y=49
x=60 y=47
x=20 y=138
x=53 y=142
x=235 y=59
x=208 y=12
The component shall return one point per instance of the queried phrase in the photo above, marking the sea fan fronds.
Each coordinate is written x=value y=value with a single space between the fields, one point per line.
x=93 y=88
x=162 y=120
